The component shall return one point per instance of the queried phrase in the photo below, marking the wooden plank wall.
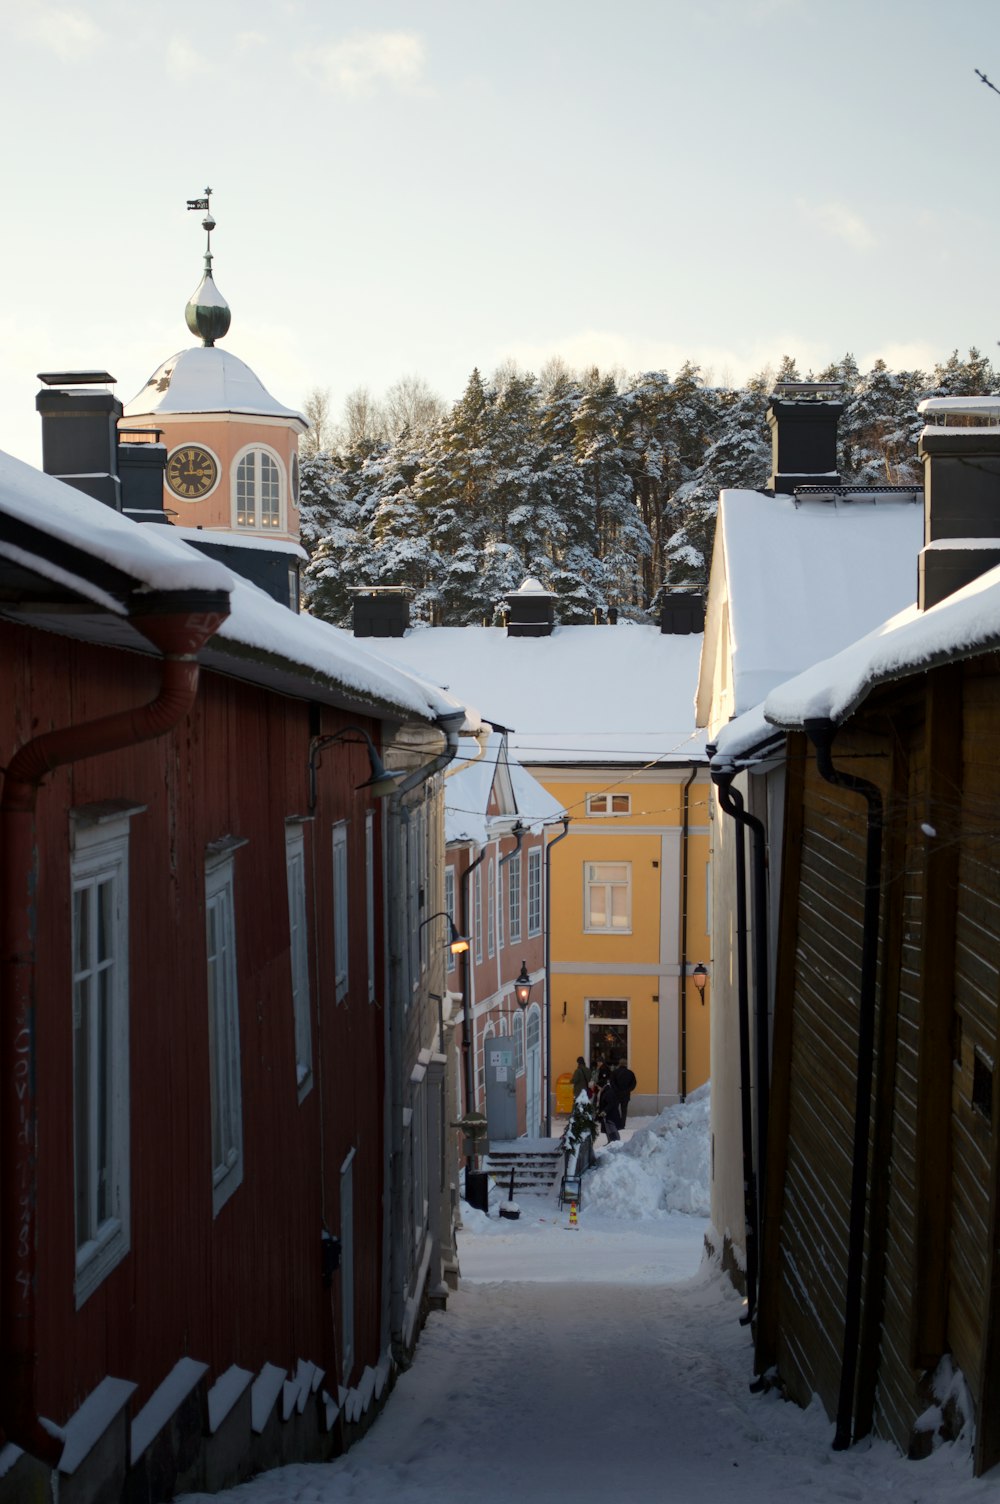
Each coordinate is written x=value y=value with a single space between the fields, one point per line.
x=824 y=1026
x=243 y=1287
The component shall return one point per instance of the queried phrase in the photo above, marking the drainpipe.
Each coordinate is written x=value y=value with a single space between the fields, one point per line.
x=821 y=734
x=548 y=973
x=468 y=1025
x=684 y=931
x=451 y=725
x=178 y=634
x=731 y=800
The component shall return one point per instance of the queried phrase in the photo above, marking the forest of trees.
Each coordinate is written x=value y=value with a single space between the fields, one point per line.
x=603 y=487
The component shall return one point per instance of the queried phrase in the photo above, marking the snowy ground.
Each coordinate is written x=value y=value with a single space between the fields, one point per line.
x=604 y=1362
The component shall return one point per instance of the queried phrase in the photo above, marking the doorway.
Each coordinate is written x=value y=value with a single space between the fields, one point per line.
x=607 y=1030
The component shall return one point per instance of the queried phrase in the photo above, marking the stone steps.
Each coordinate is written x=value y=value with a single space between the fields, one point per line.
x=537 y=1164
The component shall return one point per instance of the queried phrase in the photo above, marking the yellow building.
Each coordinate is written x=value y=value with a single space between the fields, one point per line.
x=603 y=717
x=629 y=924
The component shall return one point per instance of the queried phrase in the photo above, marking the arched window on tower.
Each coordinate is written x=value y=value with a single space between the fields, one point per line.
x=258 y=491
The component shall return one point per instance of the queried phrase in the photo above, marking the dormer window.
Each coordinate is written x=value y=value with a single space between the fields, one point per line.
x=258 y=491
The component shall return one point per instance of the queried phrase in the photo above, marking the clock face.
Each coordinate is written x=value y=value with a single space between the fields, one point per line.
x=191 y=472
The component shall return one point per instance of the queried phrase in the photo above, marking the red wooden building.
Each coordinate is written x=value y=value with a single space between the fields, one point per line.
x=193 y=1010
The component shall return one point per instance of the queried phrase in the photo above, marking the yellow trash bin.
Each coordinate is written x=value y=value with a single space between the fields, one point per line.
x=564 y=1092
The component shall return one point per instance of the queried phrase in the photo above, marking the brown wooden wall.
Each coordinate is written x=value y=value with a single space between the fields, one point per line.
x=933 y=1229
x=243 y=1287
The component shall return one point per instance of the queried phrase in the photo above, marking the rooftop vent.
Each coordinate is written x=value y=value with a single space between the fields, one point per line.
x=803 y=417
x=141 y=460
x=531 y=610
x=682 y=612
x=383 y=612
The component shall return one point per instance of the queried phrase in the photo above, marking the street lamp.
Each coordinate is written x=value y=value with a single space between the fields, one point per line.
x=456 y=943
x=381 y=782
x=699 y=977
x=522 y=987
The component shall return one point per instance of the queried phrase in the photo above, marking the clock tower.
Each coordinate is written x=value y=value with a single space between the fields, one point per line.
x=231 y=480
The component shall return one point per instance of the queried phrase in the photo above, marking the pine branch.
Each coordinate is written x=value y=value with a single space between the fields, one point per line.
x=986 y=81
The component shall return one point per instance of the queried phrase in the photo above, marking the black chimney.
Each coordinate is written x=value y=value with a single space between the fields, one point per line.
x=803 y=417
x=682 y=612
x=961 y=494
x=141 y=461
x=531 y=610
x=80 y=432
x=381 y=612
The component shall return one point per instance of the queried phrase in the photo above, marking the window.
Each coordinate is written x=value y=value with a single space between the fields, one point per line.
x=608 y=896
x=449 y=907
x=607 y=1029
x=347 y=1266
x=491 y=909
x=341 y=949
x=609 y=804
x=519 y=1043
x=370 y=900
x=100 y=1051
x=223 y=1032
x=535 y=891
x=514 y=897
x=258 y=491
x=478 y=913
x=298 y=938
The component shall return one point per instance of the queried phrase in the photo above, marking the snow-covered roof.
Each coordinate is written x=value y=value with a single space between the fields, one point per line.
x=960 y=407
x=206 y=379
x=804 y=578
x=960 y=626
x=83 y=546
x=224 y=537
x=469 y=784
x=149 y=555
x=586 y=695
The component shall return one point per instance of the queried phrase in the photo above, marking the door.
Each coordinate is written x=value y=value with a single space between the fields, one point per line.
x=533 y=1072
x=501 y=1089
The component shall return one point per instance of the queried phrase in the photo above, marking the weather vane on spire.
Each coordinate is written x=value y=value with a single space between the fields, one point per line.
x=207 y=313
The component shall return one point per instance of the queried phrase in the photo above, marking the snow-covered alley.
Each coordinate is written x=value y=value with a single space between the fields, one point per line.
x=603 y=1361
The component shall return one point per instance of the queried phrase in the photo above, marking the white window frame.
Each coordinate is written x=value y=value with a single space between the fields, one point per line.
x=298 y=943
x=491 y=909
x=370 y=900
x=518 y=1032
x=514 y=898
x=603 y=805
x=535 y=891
x=592 y=883
x=224 y=1031
x=500 y=923
x=347 y=1267
x=478 y=912
x=240 y=511
x=100 y=860
x=449 y=908
x=341 y=915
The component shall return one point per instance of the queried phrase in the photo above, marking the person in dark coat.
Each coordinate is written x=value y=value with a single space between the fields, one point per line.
x=610 y=1111
x=623 y=1081
x=581 y=1077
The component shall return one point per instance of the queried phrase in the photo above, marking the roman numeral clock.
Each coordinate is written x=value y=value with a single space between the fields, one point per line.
x=191 y=472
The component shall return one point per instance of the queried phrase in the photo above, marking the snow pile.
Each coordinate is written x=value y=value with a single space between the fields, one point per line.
x=660 y=1169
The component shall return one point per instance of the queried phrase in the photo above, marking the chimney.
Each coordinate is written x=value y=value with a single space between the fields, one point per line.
x=682 y=612
x=383 y=612
x=803 y=417
x=141 y=462
x=531 y=610
x=80 y=432
x=960 y=450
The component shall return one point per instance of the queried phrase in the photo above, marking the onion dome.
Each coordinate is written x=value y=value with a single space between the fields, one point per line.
x=207 y=314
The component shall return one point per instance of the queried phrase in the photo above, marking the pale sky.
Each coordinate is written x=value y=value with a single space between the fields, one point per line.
x=428 y=186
